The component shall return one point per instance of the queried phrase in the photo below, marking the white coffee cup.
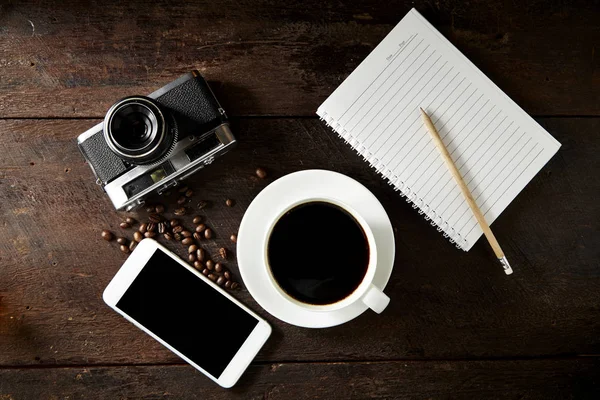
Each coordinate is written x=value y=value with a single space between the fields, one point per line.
x=365 y=292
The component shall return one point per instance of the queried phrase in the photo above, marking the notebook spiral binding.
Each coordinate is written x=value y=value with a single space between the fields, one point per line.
x=405 y=191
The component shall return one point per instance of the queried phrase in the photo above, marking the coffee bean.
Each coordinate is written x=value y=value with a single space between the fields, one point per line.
x=191 y=257
x=210 y=265
x=218 y=267
x=132 y=245
x=177 y=236
x=220 y=281
x=200 y=253
x=124 y=249
x=183 y=189
x=143 y=228
x=227 y=275
x=181 y=200
x=205 y=272
x=229 y=203
x=212 y=277
x=189 y=193
x=208 y=233
x=159 y=209
x=179 y=211
x=235 y=285
x=186 y=234
x=161 y=227
x=200 y=228
x=137 y=236
x=197 y=219
x=151 y=227
x=202 y=204
x=150 y=234
x=174 y=222
x=197 y=236
x=168 y=236
x=130 y=220
x=107 y=235
x=178 y=229
x=192 y=248
x=228 y=284
x=121 y=240
x=198 y=265
x=124 y=225
x=156 y=218
x=261 y=173
x=233 y=238
x=187 y=241
x=223 y=253
x=149 y=208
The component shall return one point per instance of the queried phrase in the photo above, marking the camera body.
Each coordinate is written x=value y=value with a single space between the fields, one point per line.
x=149 y=144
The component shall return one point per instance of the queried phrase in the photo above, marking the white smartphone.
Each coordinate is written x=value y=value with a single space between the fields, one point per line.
x=178 y=306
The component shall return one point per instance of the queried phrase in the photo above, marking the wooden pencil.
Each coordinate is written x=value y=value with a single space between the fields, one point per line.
x=467 y=193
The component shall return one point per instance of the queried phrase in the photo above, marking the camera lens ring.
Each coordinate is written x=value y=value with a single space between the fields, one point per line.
x=137 y=130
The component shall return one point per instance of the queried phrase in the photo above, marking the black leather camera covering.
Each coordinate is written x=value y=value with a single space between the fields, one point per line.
x=105 y=163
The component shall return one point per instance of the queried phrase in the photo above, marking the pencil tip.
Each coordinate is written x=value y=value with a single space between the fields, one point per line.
x=507 y=268
x=422 y=111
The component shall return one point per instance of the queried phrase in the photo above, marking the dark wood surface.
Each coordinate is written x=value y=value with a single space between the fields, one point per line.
x=456 y=325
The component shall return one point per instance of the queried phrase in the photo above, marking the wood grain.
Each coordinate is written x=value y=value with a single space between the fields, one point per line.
x=444 y=303
x=529 y=379
x=74 y=59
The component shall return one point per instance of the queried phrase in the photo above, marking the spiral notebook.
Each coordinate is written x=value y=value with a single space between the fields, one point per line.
x=497 y=147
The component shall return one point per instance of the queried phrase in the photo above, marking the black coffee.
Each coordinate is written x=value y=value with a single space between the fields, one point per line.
x=318 y=253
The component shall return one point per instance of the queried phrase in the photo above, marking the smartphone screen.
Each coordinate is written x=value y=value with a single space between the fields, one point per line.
x=187 y=313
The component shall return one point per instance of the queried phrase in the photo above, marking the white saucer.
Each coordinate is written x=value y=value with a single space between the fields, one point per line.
x=272 y=200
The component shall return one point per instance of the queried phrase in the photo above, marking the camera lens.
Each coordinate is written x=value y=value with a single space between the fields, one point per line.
x=136 y=130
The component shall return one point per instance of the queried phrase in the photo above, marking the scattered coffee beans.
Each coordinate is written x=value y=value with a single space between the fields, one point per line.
x=210 y=265
x=151 y=227
x=107 y=235
x=124 y=225
x=183 y=189
x=229 y=203
x=187 y=241
x=233 y=238
x=161 y=227
x=197 y=236
x=130 y=220
x=228 y=284
x=208 y=233
x=168 y=236
x=132 y=245
x=220 y=281
x=192 y=248
x=212 y=277
x=124 y=248
x=159 y=209
x=177 y=236
x=202 y=204
x=191 y=257
x=197 y=219
x=137 y=236
x=227 y=275
x=223 y=253
x=198 y=265
x=179 y=211
x=178 y=229
x=121 y=240
x=174 y=222
x=149 y=208
x=218 y=267
x=186 y=234
x=261 y=173
x=205 y=272
x=234 y=285
x=150 y=234
x=143 y=228
x=200 y=253
x=200 y=228
x=181 y=200
x=189 y=193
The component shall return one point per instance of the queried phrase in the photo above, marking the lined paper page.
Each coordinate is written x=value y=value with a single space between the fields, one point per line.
x=496 y=146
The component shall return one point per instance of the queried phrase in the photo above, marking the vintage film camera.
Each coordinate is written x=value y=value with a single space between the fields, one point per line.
x=150 y=143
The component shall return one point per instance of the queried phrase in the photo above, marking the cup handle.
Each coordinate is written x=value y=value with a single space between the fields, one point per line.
x=375 y=299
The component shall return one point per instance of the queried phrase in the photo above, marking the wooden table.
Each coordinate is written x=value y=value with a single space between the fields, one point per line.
x=457 y=327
